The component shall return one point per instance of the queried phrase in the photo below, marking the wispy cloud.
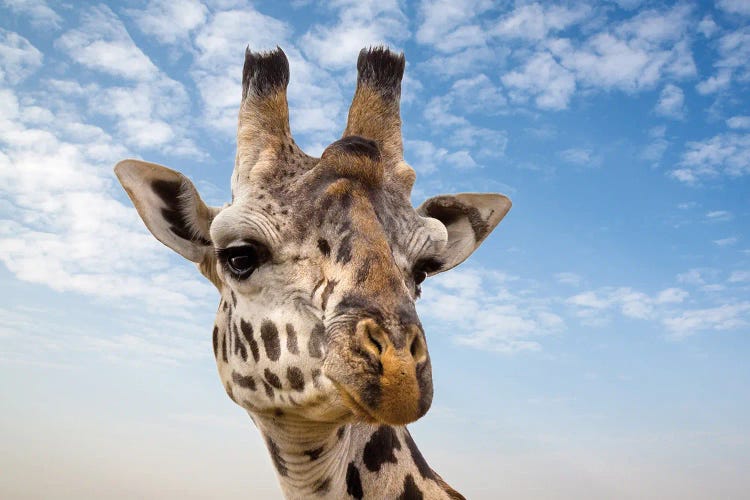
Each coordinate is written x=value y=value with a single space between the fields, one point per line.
x=39 y=13
x=725 y=317
x=671 y=102
x=169 y=22
x=18 y=58
x=724 y=154
x=487 y=310
x=725 y=242
x=734 y=52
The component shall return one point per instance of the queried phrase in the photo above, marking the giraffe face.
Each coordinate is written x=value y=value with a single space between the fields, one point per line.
x=318 y=283
x=318 y=260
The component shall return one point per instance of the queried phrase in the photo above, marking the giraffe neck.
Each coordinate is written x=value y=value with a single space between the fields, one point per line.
x=323 y=460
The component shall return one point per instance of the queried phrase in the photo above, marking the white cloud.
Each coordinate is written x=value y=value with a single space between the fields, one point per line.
x=654 y=150
x=475 y=94
x=480 y=310
x=360 y=24
x=64 y=227
x=39 y=13
x=741 y=7
x=723 y=154
x=467 y=61
x=18 y=58
x=168 y=21
x=315 y=98
x=630 y=302
x=739 y=277
x=451 y=25
x=671 y=296
x=733 y=62
x=671 y=102
x=102 y=43
x=580 y=156
x=736 y=122
x=719 y=215
x=568 y=278
x=426 y=158
x=150 y=110
x=543 y=78
x=691 y=277
x=707 y=27
x=725 y=317
x=725 y=242
x=535 y=21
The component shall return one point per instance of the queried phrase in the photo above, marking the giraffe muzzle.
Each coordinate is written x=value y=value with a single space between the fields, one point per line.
x=395 y=388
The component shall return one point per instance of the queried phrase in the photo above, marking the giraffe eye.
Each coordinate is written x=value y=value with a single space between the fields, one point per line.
x=241 y=261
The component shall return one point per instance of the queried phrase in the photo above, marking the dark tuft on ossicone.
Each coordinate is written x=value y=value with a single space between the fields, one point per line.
x=264 y=72
x=381 y=69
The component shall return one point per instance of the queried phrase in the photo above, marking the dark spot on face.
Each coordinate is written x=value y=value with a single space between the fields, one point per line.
x=170 y=193
x=239 y=347
x=344 y=252
x=324 y=247
x=247 y=332
x=268 y=389
x=247 y=382
x=216 y=340
x=234 y=298
x=340 y=432
x=353 y=482
x=363 y=271
x=314 y=453
x=291 y=339
x=276 y=458
x=417 y=458
x=380 y=448
x=411 y=491
x=270 y=336
x=296 y=379
x=272 y=378
x=224 y=305
x=317 y=337
x=315 y=377
x=224 y=342
x=327 y=291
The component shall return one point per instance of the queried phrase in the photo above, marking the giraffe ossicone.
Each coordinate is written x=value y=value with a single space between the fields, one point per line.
x=318 y=262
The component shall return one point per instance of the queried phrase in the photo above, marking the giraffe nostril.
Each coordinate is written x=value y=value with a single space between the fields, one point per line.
x=418 y=349
x=375 y=343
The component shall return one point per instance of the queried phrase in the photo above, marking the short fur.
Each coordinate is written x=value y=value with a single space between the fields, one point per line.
x=317 y=334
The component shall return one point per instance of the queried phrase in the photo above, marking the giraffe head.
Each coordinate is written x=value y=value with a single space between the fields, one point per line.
x=318 y=260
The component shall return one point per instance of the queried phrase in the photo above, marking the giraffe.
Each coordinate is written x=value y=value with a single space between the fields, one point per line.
x=318 y=262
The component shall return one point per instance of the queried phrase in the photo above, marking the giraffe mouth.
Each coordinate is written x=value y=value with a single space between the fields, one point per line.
x=357 y=408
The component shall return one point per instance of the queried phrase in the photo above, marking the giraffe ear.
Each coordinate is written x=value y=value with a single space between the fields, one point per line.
x=469 y=218
x=170 y=206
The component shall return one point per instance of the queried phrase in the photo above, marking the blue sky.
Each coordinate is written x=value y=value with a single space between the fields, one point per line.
x=594 y=347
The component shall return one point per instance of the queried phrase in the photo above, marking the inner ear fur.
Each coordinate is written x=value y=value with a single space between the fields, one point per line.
x=170 y=206
x=469 y=218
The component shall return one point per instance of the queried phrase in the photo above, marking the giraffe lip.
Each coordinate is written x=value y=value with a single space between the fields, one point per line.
x=358 y=409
